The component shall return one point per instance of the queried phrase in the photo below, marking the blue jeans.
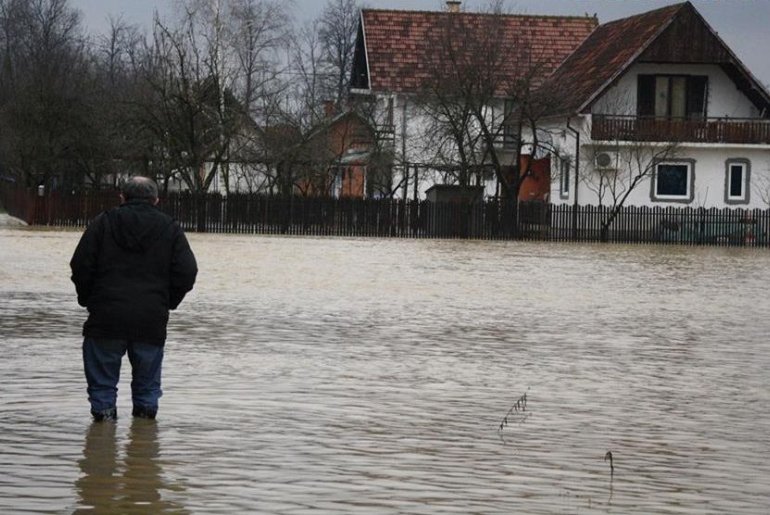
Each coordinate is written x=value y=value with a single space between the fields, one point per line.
x=102 y=358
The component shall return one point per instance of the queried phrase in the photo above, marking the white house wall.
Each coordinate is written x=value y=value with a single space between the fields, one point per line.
x=709 y=169
x=708 y=160
x=709 y=179
x=412 y=144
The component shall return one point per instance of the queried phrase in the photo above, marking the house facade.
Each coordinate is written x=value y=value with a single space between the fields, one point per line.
x=667 y=116
x=650 y=110
x=346 y=142
x=401 y=56
x=333 y=159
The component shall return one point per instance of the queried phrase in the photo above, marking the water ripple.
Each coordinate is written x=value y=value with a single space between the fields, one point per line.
x=371 y=376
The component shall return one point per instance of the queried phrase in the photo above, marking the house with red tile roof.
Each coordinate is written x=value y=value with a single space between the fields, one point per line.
x=649 y=110
x=659 y=99
x=401 y=54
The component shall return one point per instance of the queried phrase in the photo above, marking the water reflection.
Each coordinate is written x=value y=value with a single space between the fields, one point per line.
x=133 y=484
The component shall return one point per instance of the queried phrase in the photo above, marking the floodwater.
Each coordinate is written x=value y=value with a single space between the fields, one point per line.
x=372 y=376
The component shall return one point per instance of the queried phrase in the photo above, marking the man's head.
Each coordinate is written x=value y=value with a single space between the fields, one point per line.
x=140 y=188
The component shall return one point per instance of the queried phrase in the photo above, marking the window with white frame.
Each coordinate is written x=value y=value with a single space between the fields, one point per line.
x=737 y=181
x=673 y=181
x=564 y=165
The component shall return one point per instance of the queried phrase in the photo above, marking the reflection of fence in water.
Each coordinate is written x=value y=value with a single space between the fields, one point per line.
x=490 y=219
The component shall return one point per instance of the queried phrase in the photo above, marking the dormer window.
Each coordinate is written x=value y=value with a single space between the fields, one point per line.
x=672 y=96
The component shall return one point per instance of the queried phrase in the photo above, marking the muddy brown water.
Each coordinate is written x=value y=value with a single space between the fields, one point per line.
x=371 y=376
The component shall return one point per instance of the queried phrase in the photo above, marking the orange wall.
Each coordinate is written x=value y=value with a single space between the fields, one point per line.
x=353 y=181
x=537 y=185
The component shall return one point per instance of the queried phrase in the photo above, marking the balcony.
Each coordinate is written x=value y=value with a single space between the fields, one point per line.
x=752 y=131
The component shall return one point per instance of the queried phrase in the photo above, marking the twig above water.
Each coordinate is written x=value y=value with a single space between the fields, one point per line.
x=608 y=456
x=517 y=410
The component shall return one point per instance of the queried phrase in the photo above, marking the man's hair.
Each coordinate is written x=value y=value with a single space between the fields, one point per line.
x=139 y=188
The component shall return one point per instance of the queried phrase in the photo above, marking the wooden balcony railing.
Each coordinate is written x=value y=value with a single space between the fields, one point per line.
x=709 y=130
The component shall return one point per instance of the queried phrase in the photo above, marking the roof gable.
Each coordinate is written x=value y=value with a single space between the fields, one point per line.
x=686 y=38
x=349 y=127
x=690 y=39
x=673 y=34
x=395 y=48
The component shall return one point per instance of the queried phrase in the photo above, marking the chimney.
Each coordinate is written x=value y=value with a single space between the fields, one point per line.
x=453 y=6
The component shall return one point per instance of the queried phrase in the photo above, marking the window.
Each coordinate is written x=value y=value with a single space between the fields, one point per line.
x=672 y=96
x=509 y=133
x=673 y=182
x=737 y=181
x=564 y=178
x=737 y=173
x=336 y=185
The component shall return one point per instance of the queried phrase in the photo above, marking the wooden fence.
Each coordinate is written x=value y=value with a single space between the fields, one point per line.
x=257 y=214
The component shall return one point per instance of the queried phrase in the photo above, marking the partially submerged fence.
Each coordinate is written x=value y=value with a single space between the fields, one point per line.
x=59 y=209
x=491 y=219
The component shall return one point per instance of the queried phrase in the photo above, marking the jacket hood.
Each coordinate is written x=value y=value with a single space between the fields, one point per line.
x=137 y=225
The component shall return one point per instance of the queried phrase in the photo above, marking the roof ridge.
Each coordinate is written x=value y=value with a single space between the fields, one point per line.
x=674 y=8
x=467 y=13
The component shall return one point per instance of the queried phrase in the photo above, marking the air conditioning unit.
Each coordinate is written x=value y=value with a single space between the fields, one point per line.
x=605 y=160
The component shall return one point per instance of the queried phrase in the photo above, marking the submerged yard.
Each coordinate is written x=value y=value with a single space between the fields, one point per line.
x=333 y=375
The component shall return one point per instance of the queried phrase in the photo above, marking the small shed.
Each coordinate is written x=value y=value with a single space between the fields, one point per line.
x=454 y=211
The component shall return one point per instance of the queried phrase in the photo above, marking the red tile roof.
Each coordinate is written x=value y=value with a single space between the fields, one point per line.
x=604 y=55
x=401 y=44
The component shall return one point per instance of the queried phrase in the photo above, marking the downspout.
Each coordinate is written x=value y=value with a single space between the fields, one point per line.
x=405 y=165
x=365 y=173
x=577 y=174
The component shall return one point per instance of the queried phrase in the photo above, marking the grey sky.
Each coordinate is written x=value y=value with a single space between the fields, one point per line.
x=742 y=24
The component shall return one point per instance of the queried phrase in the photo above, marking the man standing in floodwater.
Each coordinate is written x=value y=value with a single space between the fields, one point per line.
x=133 y=264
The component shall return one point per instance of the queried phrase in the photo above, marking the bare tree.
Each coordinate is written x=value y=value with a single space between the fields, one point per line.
x=337 y=28
x=308 y=70
x=451 y=139
x=483 y=99
x=45 y=72
x=198 y=94
x=620 y=164
x=190 y=106
x=257 y=28
x=115 y=146
x=628 y=166
x=305 y=126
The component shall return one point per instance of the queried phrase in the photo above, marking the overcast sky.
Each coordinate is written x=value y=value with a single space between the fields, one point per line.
x=742 y=24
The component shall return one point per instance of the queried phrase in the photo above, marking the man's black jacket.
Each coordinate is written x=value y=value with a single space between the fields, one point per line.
x=131 y=266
